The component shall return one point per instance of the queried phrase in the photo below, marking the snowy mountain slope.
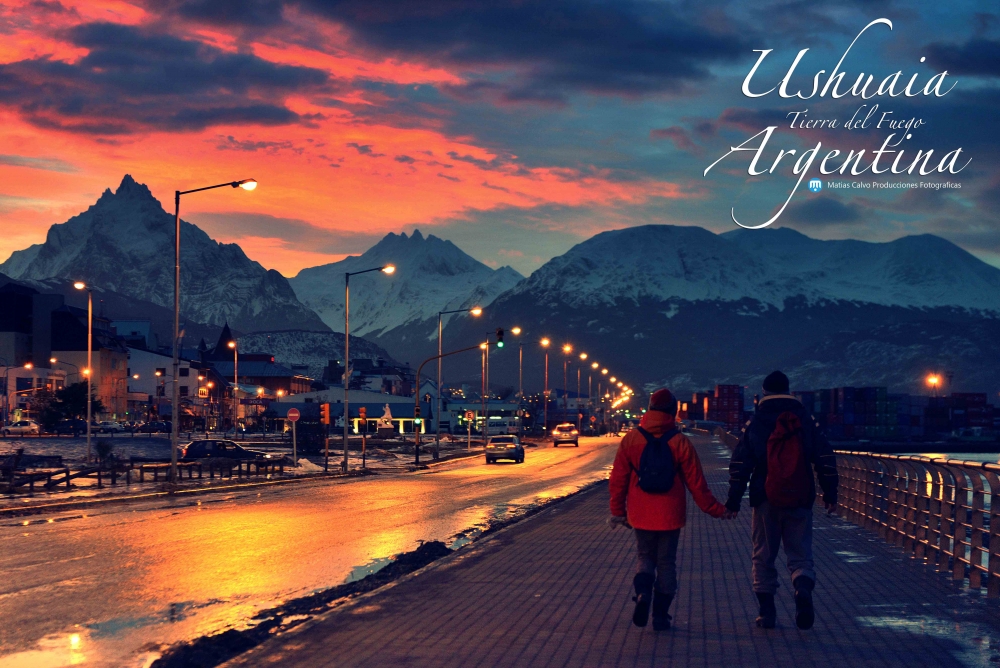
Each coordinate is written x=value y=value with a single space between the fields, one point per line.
x=431 y=275
x=689 y=308
x=312 y=349
x=124 y=244
x=922 y=271
x=689 y=263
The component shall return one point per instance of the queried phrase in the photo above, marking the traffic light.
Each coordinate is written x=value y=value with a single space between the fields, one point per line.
x=416 y=415
x=499 y=337
x=324 y=413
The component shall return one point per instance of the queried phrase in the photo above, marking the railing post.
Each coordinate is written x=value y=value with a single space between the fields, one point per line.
x=993 y=578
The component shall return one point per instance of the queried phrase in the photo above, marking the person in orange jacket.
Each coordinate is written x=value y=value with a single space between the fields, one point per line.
x=654 y=466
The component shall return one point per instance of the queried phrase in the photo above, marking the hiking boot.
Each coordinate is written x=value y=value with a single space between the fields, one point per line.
x=643 y=583
x=768 y=613
x=661 y=604
x=805 y=614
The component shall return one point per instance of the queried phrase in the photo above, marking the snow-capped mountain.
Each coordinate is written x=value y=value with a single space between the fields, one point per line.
x=689 y=308
x=124 y=244
x=664 y=262
x=313 y=350
x=431 y=275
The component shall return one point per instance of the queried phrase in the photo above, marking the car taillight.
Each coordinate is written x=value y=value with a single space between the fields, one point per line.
x=574 y=432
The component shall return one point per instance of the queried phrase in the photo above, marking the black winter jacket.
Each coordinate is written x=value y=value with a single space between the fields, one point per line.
x=749 y=461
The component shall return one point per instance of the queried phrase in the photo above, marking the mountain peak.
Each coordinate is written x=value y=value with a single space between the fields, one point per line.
x=130 y=189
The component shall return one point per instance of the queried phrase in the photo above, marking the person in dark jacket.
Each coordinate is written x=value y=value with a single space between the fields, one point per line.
x=772 y=524
x=657 y=517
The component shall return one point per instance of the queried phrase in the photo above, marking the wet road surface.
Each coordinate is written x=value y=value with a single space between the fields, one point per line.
x=110 y=587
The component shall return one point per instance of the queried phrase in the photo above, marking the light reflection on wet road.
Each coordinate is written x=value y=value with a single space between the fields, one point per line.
x=108 y=587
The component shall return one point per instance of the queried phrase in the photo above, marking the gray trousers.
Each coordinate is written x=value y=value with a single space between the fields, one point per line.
x=658 y=555
x=771 y=528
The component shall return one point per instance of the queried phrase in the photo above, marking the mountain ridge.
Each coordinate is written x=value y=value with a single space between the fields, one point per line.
x=124 y=243
x=431 y=275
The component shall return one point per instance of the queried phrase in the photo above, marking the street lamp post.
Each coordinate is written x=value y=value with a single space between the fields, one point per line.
x=567 y=349
x=475 y=310
x=89 y=371
x=579 y=416
x=545 y=393
x=590 y=385
x=236 y=384
x=516 y=331
x=387 y=269
x=175 y=394
x=6 y=391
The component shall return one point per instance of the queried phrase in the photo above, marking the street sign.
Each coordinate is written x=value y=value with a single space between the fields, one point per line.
x=293 y=414
x=363 y=412
x=469 y=415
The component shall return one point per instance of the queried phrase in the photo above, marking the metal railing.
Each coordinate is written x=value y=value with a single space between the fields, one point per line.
x=945 y=513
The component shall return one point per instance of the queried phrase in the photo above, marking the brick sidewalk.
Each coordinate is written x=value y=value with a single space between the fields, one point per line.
x=554 y=590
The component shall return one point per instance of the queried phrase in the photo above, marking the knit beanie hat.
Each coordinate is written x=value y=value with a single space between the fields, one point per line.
x=663 y=400
x=776 y=383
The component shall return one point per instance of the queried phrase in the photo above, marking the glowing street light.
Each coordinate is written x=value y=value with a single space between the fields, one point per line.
x=475 y=311
x=567 y=349
x=545 y=342
x=385 y=269
x=80 y=285
x=579 y=415
x=934 y=381
x=236 y=383
x=175 y=394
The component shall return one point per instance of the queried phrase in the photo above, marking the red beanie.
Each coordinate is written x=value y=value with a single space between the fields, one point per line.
x=663 y=400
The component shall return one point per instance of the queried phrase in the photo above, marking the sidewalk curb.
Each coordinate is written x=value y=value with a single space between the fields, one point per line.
x=248 y=658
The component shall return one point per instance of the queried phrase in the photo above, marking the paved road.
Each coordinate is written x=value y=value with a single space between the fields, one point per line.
x=109 y=587
x=555 y=591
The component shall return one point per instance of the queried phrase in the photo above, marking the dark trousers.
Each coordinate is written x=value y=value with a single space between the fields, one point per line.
x=658 y=555
x=772 y=528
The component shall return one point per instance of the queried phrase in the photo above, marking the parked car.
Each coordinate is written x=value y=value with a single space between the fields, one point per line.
x=108 y=427
x=565 y=433
x=73 y=427
x=154 y=427
x=22 y=428
x=219 y=449
x=504 y=447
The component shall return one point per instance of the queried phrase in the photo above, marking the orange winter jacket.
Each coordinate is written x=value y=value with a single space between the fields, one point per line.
x=658 y=512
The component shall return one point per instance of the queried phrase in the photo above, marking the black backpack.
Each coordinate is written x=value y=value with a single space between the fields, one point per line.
x=656 y=465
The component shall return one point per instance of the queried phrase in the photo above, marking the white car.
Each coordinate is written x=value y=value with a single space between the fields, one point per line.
x=22 y=428
x=109 y=427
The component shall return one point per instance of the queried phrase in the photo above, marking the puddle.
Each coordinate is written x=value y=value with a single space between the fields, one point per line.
x=977 y=646
x=72 y=648
x=854 y=557
x=364 y=570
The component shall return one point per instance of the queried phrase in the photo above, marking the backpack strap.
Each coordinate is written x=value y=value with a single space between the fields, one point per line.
x=663 y=438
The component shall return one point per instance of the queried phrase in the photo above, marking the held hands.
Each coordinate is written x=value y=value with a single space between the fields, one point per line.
x=730 y=514
x=831 y=508
x=616 y=521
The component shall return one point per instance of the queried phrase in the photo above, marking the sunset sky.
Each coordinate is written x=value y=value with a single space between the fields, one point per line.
x=515 y=128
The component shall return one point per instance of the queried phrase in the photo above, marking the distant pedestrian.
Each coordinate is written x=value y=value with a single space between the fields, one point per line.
x=774 y=455
x=654 y=465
